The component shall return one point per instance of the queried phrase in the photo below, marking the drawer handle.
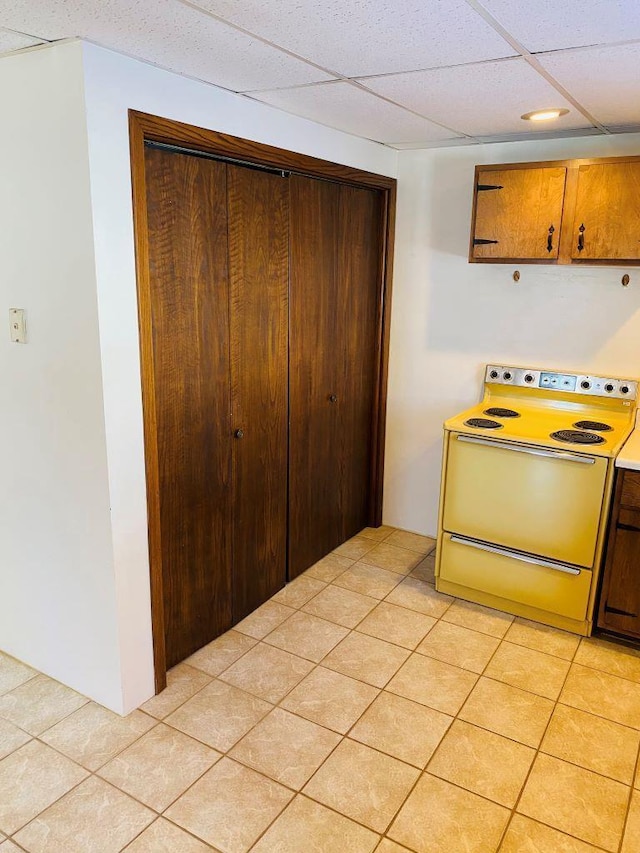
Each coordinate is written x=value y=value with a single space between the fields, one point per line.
x=532 y=451
x=581 y=230
x=550 y=238
x=516 y=555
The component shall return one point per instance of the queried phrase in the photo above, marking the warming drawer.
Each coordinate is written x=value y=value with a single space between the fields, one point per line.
x=553 y=587
x=529 y=498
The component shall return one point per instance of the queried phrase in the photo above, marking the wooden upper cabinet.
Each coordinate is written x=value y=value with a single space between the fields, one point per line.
x=560 y=212
x=606 y=225
x=518 y=213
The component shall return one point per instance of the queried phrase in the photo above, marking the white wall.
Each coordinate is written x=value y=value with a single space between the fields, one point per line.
x=449 y=317
x=114 y=84
x=57 y=601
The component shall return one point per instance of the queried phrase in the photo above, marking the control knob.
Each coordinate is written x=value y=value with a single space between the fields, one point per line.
x=493 y=374
x=624 y=389
x=529 y=377
x=608 y=387
x=506 y=376
x=585 y=384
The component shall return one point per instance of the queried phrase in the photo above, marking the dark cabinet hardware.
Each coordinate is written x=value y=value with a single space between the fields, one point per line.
x=478 y=241
x=550 y=239
x=333 y=398
x=239 y=433
x=484 y=187
x=581 y=229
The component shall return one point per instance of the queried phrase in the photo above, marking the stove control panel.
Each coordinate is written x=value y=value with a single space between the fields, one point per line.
x=576 y=383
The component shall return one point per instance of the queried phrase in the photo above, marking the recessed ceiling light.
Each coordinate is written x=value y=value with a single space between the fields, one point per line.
x=544 y=115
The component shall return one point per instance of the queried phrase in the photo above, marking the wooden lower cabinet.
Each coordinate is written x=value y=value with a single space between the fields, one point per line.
x=619 y=610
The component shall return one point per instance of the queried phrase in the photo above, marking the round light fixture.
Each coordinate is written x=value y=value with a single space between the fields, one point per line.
x=544 y=115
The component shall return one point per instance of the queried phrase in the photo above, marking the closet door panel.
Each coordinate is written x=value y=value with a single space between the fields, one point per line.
x=314 y=511
x=258 y=270
x=359 y=275
x=187 y=221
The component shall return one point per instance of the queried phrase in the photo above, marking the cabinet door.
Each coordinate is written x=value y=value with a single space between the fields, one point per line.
x=358 y=270
x=606 y=225
x=518 y=214
x=314 y=467
x=187 y=222
x=258 y=273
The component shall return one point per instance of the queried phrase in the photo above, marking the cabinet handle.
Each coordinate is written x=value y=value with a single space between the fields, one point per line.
x=239 y=433
x=550 y=238
x=333 y=398
x=581 y=229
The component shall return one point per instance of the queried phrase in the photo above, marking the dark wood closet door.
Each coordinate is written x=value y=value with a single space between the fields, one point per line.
x=187 y=222
x=258 y=270
x=314 y=509
x=359 y=238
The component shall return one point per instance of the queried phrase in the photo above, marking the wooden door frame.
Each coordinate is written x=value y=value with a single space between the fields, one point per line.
x=148 y=128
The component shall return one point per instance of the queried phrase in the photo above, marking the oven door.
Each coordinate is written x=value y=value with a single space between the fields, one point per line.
x=529 y=498
x=544 y=584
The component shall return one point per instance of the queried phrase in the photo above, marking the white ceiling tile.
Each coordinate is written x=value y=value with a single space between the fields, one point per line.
x=551 y=25
x=361 y=37
x=478 y=100
x=166 y=33
x=348 y=108
x=15 y=41
x=605 y=80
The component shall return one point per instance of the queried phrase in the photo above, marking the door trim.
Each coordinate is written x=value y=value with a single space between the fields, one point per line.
x=148 y=128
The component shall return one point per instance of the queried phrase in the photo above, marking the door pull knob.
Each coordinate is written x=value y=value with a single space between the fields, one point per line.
x=333 y=398
x=239 y=433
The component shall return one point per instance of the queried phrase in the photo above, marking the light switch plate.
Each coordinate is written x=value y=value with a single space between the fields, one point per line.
x=18 y=323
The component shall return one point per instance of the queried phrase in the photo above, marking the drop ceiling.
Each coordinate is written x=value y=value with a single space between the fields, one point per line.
x=404 y=73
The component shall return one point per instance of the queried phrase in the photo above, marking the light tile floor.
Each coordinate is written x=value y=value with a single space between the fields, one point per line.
x=357 y=711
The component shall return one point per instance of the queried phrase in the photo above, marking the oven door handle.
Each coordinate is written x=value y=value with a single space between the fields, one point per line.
x=514 y=555
x=532 y=451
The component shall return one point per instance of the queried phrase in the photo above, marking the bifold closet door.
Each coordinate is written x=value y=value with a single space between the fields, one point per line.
x=258 y=269
x=189 y=290
x=334 y=294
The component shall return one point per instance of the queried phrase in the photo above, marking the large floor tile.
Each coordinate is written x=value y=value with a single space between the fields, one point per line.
x=355 y=547
x=366 y=658
x=11 y=738
x=420 y=596
x=368 y=580
x=378 y=533
x=530 y=670
x=401 y=728
x=441 y=818
x=528 y=836
x=341 y=606
x=307 y=827
x=631 y=840
x=286 y=748
x=31 y=779
x=263 y=620
x=183 y=682
x=509 y=711
x=387 y=846
x=381 y=787
x=39 y=704
x=542 y=638
x=422 y=545
x=267 y=672
x=459 y=646
x=483 y=762
x=307 y=636
x=92 y=735
x=575 y=801
x=299 y=591
x=93 y=818
x=230 y=806
x=439 y=685
x=609 y=657
x=164 y=837
x=159 y=767
x=215 y=657
x=397 y=625
x=219 y=715
x=479 y=618
x=390 y=557
x=13 y=673
x=604 y=695
x=9 y=847
x=592 y=742
x=330 y=699
x=426 y=570
x=328 y=568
